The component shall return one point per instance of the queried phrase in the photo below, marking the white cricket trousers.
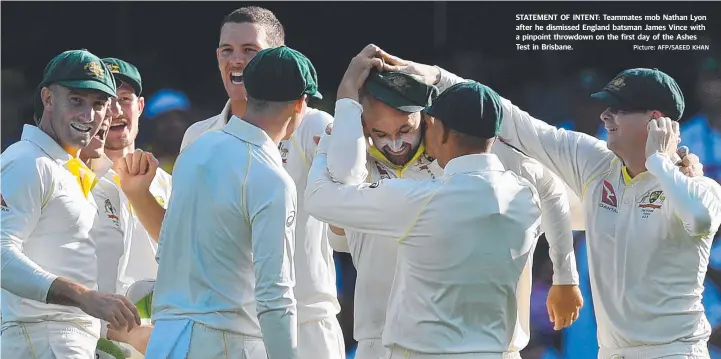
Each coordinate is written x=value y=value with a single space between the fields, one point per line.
x=185 y=339
x=321 y=339
x=676 y=350
x=48 y=340
x=397 y=352
x=370 y=349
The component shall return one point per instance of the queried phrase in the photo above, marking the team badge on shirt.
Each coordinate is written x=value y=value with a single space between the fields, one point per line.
x=650 y=202
x=3 y=205
x=110 y=212
x=283 y=152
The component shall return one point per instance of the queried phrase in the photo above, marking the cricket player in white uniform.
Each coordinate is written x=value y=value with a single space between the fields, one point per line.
x=465 y=239
x=244 y=32
x=649 y=226
x=390 y=112
x=148 y=192
x=50 y=304
x=226 y=276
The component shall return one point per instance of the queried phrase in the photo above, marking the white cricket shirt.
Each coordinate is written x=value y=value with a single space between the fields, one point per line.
x=375 y=260
x=140 y=262
x=315 y=288
x=113 y=229
x=45 y=224
x=227 y=241
x=465 y=240
x=648 y=237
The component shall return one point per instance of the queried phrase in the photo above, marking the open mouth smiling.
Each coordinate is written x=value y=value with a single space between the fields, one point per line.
x=83 y=128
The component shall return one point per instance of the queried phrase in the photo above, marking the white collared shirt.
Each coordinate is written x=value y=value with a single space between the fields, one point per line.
x=140 y=262
x=375 y=260
x=113 y=229
x=451 y=283
x=46 y=221
x=648 y=237
x=227 y=241
x=315 y=290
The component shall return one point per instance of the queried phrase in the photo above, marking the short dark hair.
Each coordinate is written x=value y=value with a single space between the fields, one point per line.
x=263 y=106
x=263 y=17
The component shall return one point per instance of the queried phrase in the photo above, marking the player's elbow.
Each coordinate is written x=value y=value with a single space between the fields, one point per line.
x=342 y=173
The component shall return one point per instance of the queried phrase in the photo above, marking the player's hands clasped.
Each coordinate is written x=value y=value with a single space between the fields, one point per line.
x=663 y=137
x=115 y=309
x=564 y=303
x=358 y=70
x=136 y=171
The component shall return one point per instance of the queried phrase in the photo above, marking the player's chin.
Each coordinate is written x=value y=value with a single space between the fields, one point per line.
x=236 y=91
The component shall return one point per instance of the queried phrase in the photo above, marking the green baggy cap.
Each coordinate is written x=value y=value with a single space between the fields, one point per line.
x=280 y=74
x=643 y=89
x=76 y=69
x=399 y=90
x=469 y=108
x=125 y=72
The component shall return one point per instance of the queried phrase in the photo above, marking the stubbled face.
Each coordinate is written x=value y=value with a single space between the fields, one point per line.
x=76 y=114
x=239 y=43
x=125 y=118
x=627 y=131
x=96 y=147
x=395 y=133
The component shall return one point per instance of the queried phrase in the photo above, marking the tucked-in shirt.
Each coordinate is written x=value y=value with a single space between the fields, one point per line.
x=315 y=290
x=227 y=241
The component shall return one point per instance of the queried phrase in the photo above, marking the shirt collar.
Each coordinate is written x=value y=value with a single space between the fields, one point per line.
x=473 y=163
x=225 y=115
x=244 y=131
x=45 y=142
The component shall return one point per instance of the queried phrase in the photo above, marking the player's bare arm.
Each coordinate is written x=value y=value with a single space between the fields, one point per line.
x=113 y=308
x=136 y=172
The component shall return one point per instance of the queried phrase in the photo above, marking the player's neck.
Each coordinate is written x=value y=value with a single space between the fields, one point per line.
x=272 y=127
x=114 y=155
x=635 y=164
x=237 y=108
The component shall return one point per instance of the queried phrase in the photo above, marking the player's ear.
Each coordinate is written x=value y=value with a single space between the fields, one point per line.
x=46 y=96
x=141 y=105
x=301 y=104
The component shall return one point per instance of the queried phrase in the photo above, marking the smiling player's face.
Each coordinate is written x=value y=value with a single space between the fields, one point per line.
x=76 y=114
x=239 y=43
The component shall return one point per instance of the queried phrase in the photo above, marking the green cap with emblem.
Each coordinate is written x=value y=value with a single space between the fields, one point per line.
x=643 y=89
x=76 y=69
x=280 y=74
x=469 y=108
x=125 y=72
x=399 y=90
